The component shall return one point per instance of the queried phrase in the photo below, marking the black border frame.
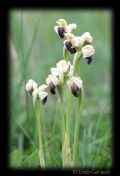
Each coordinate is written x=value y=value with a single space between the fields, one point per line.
x=5 y=87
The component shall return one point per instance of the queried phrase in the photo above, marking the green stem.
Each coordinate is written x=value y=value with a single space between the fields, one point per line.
x=76 y=134
x=41 y=153
x=62 y=118
x=66 y=150
x=68 y=114
x=79 y=103
x=65 y=53
x=76 y=63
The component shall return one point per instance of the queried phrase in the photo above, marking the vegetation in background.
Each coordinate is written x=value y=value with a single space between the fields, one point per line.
x=34 y=48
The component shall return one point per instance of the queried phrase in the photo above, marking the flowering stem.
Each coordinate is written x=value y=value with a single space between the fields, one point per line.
x=68 y=114
x=77 y=126
x=76 y=68
x=41 y=153
x=77 y=123
x=66 y=148
x=62 y=118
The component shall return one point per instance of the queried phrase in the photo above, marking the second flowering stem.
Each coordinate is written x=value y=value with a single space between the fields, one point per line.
x=62 y=116
x=68 y=113
x=77 y=126
x=36 y=103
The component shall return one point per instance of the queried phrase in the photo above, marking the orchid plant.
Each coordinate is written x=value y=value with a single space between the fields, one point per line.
x=64 y=74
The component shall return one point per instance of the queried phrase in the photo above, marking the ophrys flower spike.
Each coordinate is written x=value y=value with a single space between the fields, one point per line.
x=64 y=76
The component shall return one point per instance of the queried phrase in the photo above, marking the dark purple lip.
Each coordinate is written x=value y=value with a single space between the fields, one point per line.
x=61 y=32
x=68 y=45
x=52 y=88
x=89 y=59
x=75 y=90
x=44 y=100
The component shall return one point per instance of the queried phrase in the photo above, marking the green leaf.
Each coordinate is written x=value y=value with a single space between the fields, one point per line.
x=15 y=159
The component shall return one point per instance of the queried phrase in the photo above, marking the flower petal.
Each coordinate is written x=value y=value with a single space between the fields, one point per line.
x=88 y=51
x=86 y=37
x=53 y=79
x=55 y=71
x=70 y=27
x=42 y=88
x=31 y=85
x=62 y=22
x=56 y=29
x=42 y=95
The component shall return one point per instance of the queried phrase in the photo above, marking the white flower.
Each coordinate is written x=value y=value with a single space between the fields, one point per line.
x=53 y=79
x=75 y=40
x=61 y=66
x=41 y=93
x=88 y=51
x=74 y=84
x=63 y=27
x=86 y=37
x=79 y=41
x=67 y=27
x=31 y=85
x=74 y=80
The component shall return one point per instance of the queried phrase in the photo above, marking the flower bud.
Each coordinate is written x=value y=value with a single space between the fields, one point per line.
x=74 y=84
x=31 y=85
x=52 y=82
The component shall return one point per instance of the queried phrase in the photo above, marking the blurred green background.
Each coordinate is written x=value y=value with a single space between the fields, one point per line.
x=34 y=49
